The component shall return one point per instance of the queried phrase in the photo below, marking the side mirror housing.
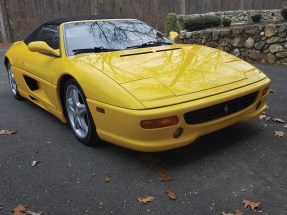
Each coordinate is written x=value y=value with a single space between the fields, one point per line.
x=173 y=35
x=43 y=47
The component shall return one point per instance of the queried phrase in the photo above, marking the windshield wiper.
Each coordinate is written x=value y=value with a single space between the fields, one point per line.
x=150 y=44
x=95 y=50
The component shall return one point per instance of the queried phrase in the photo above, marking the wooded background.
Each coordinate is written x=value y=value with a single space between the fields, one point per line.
x=19 y=17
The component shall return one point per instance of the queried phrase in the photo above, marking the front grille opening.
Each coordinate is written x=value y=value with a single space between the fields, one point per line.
x=219 y=110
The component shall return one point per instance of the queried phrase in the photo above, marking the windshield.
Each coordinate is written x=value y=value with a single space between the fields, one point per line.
x=110 y=35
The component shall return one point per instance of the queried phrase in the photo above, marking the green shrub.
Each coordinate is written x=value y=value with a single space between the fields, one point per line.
x=171 y=23
x=202 y=22
x=256 y=17
x=284 y=12
x=181 y=22
x=226 y=22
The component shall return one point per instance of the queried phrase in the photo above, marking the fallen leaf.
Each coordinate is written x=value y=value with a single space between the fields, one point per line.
x=171 y=195
x=267 y=107
x=278 y=120
x=252 y=205
x=279 y=134
x=33 y=213
x=7 y=132
x=107 y=179
x=34 y=163
x=19 y=210
x=238 y=212
x=263 y=116
x=223 y=213
x=1 y=206
x=271 y=91
x=285 y=126
x=163 y=176
x=146 y=200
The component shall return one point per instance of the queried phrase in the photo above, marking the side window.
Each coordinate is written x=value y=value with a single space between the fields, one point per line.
x=50 y=35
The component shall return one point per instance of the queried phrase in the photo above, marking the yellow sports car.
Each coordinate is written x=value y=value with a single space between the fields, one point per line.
x=124 y=82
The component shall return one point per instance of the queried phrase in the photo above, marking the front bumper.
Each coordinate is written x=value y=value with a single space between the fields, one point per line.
x=122 y=126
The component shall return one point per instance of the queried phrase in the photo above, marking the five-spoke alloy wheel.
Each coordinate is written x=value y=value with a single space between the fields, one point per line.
x=12 y=82
x=78 y=114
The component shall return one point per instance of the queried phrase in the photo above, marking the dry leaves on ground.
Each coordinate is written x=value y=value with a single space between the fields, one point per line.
x=237 y=212
x=279 y=134
x=34 y=213
x=146 y=199
x=171 y=195
x=275 y=119
x=19 y=210
x=1 y=206
x=263 y=116
x=7 y=132
x=23 y=210
x=107 y=179
x=163 y=175
x=285 y=126
x=34 y=163
x=251 y=205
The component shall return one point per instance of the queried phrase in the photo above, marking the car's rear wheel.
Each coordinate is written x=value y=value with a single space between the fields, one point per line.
x=78 y=114
x=12 y=83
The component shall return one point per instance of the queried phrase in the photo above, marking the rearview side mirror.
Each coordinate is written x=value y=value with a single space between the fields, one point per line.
x=173 y=35
x=43 y=47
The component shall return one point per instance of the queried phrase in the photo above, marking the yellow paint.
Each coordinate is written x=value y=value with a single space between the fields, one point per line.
x=141 y=84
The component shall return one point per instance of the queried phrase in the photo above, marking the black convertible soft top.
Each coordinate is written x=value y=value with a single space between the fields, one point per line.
x=33 y=37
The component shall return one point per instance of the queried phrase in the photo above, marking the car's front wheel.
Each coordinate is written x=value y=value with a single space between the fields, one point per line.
x=12 y=83
x=78 y=114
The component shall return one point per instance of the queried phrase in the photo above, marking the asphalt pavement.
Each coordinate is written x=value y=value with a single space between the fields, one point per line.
x=210 y=176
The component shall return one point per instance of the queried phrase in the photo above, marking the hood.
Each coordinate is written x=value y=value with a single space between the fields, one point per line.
x=163 y=72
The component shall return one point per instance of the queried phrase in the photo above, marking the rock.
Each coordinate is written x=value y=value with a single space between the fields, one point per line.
x=257 y=38
x=282 y=34
x=255 y=55
x=285 y=45
x=249 y=44
x=281 y=54
x=283 y=61
x=195 y=34
x=270 y=58
x=270 y=31
x=262 y=34
x=224 y=32
x=215 y=35
x=223 y=41
x=282 y=28
x=238 y=41
x=244 y=54
x=188 y=35
x=237 y=30
x=251 y=30
x=236 y=52
x=227 y=49
x=205 y=34
x=259 y=45
x=275 y=40
x=276 y=48
x=212 y=44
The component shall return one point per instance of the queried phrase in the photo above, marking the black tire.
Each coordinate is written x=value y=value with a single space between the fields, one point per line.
x=86 y=131
x=12 y=83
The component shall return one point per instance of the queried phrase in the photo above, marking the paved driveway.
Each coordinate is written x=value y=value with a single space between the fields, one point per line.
x=212 y=175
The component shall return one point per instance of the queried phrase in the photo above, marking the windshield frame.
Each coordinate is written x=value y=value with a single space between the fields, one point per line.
x=102 y=20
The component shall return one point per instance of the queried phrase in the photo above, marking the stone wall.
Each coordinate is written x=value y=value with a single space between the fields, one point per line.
x=241 y=16
x=266 y=43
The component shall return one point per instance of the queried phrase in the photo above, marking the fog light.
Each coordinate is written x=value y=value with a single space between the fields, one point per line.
x=177 y=132
x=258 y=105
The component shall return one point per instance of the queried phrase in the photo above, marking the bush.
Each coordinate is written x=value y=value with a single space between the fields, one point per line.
x=284 y=12
x=171 y=23
x=181 y=22
x=226 y=22
x=256 y=17
x=202 y=22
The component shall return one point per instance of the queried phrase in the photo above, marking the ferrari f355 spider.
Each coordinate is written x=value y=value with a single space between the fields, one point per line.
x=120 y=80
